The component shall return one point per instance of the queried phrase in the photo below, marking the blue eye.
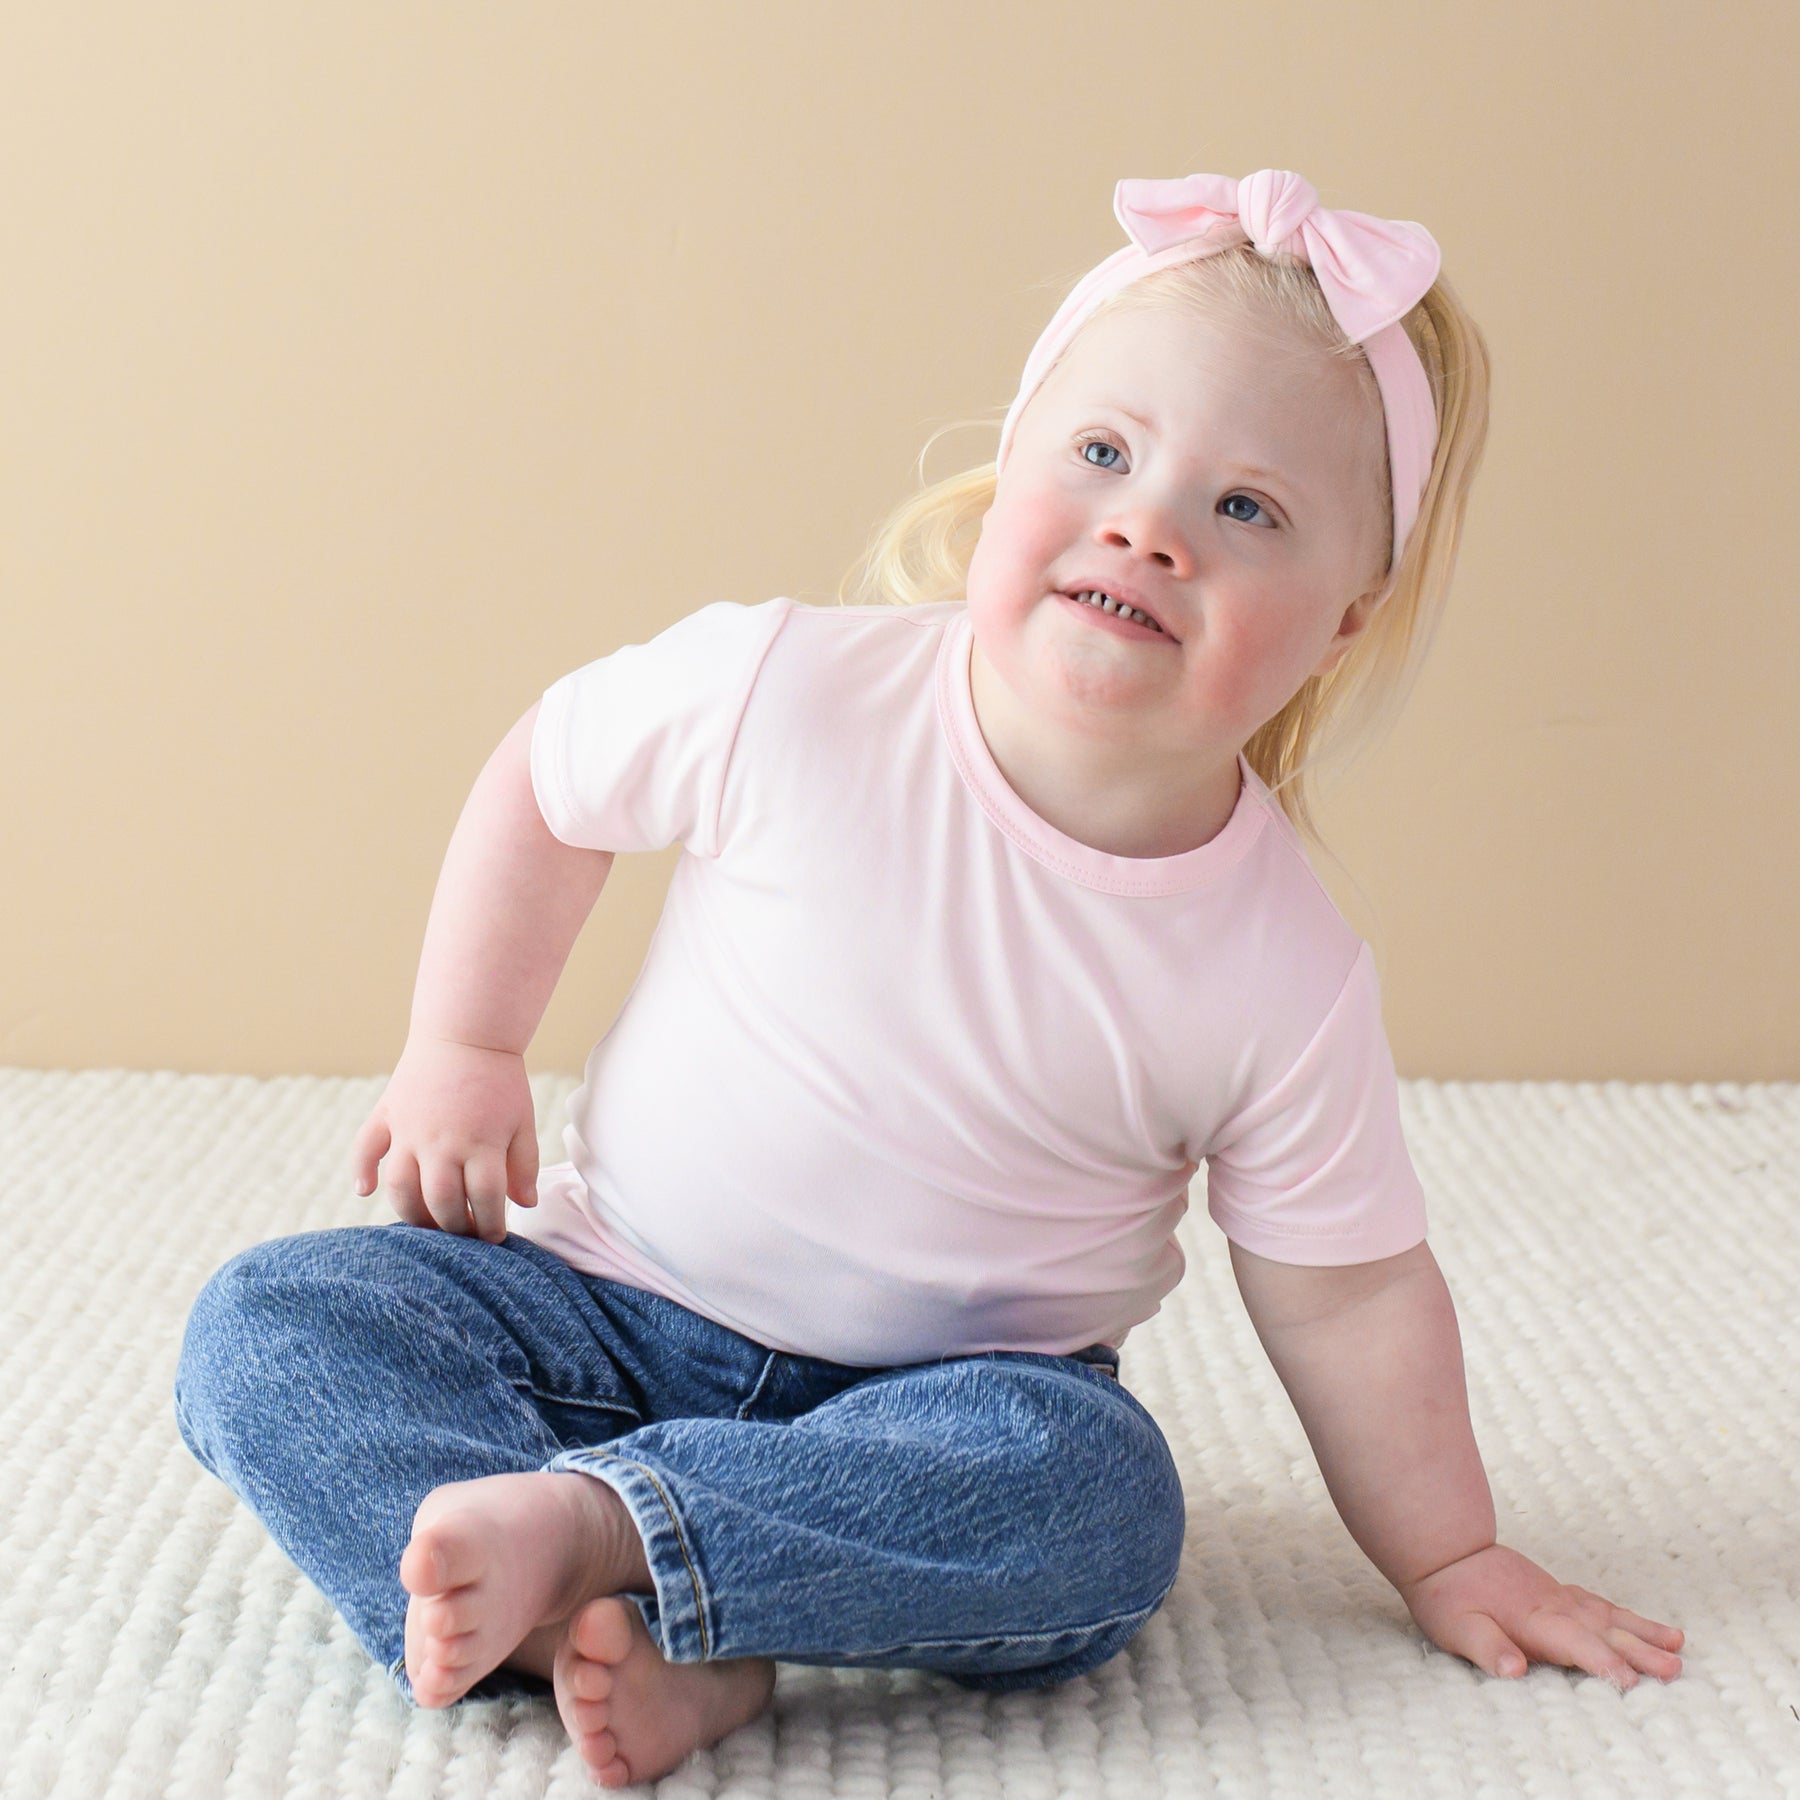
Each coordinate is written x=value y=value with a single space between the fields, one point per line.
x=1097 y=441
x=1230 y=497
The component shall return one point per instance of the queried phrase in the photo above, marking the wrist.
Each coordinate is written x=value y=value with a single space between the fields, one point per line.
x=1410 y=1584
x=457 y=1040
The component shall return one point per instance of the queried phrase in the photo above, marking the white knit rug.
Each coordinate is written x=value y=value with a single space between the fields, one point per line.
x=1624 y=1260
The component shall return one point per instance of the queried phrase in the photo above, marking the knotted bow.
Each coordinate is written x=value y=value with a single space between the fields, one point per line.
x=1373 y=271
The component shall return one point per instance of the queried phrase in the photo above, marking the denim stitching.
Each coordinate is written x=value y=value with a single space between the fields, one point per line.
x=581 y=1400
x=762 y=1381
x=1140 y=1614
x=680 y=1541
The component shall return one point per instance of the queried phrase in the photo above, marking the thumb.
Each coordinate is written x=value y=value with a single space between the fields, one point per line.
x=1481 y=1640
x=522 y=1165
x=371 y=1144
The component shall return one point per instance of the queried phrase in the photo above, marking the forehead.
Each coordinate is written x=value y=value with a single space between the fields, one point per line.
x=1212 y=358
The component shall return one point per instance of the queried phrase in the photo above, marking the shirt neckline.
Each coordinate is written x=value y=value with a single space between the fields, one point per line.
x=1038 y=838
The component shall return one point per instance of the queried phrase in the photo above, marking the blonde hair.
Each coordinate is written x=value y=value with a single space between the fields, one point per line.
x=921 y=551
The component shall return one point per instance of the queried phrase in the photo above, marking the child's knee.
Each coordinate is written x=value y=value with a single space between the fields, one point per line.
x=240 y=1339
x=1090 y=1454
x=1136 y=1498
x=236 y=1298
x=1151 y=1522
x=225 y=1316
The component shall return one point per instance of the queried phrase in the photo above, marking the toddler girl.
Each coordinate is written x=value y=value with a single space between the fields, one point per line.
x=993 y=926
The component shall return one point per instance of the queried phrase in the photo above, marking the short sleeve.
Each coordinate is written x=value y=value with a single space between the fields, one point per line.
x=1316 y=1169
x=629 y=752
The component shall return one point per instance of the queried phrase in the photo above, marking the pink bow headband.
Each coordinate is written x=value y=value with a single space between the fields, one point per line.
x=1372 y=271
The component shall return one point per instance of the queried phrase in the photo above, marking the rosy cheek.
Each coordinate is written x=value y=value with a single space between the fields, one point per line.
x=1035 y=527
x=1041 y=517
x=1241 y=656
x=1020 y=540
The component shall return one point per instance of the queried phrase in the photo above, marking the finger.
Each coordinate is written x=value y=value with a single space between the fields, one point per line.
x=412 y=1212
x=372 y=1144
x=1650 y=1658
x=522 y=1165
x=1669 y=1636
x=403 y=1190
x=1481 y=1639
x=1556 y=1637
x=445 y=1199
x=1608 y=1616
x=484 y=1179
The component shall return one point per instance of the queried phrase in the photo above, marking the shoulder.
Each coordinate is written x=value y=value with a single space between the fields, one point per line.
x=727 y=625
x=705 y=660
x=851 y=624
x=1309 y=949
x=837 y=646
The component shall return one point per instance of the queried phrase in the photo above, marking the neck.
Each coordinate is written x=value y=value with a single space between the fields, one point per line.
x=1101 y=794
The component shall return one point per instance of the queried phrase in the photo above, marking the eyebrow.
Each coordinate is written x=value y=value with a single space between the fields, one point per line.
x=1251 y=469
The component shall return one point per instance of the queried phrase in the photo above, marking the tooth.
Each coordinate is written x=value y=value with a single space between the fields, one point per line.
x=1106 y=603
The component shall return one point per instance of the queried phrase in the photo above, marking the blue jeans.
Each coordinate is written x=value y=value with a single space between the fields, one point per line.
x=1008 y=1519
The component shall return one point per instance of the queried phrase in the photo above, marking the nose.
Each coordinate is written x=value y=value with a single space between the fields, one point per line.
x=1150 y=529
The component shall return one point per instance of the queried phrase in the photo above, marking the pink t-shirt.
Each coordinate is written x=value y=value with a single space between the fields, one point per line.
x=907 y=1073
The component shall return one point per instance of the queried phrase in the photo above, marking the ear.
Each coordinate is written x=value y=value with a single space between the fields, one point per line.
x=1354 y=622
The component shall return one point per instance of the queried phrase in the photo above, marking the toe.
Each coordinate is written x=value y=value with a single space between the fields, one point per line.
x=451 y=1615
x=598 y=1748
x=459 y=1547
x=447 y=1540
x=418 y=1643
x=431 y=1686
x=446 y=1672
x=421 y=1568
x=454 y=1654
x=601 y=1632
x=591 y=1680
x=435 y=1675
x=600 y=1751
x=586 y=1719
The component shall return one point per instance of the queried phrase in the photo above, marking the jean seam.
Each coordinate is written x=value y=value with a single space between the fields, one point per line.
x=762 y=1381
x=680 y=1538
x=928 y=1645
x=620 y=1407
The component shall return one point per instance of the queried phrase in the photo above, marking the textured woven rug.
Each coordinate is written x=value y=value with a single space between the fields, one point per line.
x=1624 y=1261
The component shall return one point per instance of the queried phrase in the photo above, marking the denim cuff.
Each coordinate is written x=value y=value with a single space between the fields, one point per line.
x=677 y=1614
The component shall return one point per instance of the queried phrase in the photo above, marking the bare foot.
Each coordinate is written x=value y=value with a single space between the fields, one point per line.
x=499 y=1559
x=634 y=1716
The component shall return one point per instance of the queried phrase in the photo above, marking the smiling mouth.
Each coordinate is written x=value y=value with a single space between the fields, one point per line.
x=1094 y=600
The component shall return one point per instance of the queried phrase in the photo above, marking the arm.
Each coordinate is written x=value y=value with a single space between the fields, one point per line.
x=456 y=1124
x=1370 y=1355
x=510 y=902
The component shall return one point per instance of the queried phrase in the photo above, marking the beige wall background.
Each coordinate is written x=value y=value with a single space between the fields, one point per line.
x=368 y=366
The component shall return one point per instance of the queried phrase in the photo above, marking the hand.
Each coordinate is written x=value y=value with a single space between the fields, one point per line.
x=457 y=1127
x=1497 y=1608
